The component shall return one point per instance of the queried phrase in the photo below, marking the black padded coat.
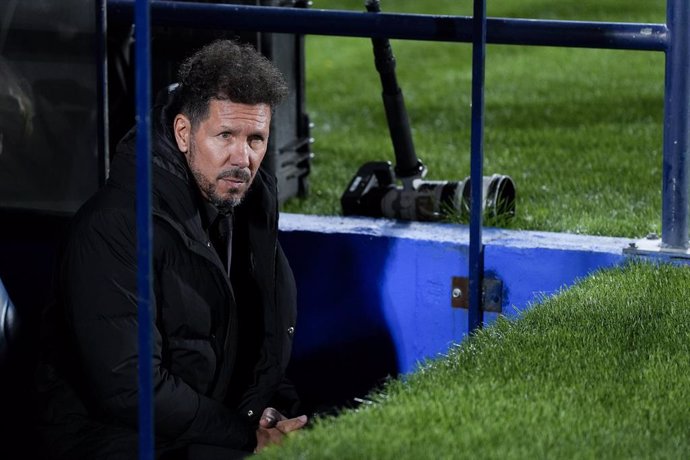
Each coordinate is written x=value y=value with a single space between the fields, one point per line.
x=88 y=379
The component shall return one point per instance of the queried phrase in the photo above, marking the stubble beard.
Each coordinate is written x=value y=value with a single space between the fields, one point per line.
x=208 y=188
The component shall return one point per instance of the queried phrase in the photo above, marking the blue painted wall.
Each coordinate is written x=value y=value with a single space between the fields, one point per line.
x=374 y=296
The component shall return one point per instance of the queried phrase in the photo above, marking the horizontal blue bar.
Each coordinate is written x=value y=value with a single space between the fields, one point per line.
x=607 y=35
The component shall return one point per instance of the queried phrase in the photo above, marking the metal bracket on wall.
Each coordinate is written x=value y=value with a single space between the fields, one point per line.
x=492 y=294
x=651 y=246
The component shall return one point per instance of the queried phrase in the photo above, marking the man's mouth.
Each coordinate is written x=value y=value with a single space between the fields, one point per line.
x=236 y=177
x=232 y=180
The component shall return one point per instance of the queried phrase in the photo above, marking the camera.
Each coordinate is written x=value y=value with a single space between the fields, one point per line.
x=373 y=192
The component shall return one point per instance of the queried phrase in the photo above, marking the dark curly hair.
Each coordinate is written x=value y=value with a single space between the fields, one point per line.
x=227 y=70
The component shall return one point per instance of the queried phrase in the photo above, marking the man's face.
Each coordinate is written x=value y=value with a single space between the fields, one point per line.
x=225 y=150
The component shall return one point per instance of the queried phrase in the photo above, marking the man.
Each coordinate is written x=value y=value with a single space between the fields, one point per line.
x=224 y=293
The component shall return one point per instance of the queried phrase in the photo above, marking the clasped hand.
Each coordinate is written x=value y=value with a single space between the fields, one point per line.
x=273 y=426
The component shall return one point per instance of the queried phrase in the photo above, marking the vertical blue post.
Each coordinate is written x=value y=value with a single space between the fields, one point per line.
x=475 y=315
x=674 y=210
x=142 y=38
x=102 y=95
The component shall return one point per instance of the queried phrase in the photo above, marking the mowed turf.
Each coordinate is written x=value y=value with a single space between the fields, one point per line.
x=600 y=371
x=579 y=130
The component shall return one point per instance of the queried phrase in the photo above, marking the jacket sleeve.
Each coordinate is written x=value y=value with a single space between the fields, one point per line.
x=99 y=275
x=286 y=400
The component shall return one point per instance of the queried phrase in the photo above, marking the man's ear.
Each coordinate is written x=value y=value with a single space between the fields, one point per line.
x=182 y=128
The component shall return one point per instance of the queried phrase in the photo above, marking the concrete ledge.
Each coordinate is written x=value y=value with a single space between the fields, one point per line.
x=449 y=233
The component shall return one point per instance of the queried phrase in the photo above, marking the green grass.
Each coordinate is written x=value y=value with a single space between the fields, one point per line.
x=578 y=130
x=599 y=371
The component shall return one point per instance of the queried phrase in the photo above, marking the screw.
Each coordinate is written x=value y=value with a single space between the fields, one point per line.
x=457 y=292
x=652 y=236
x=632 y=245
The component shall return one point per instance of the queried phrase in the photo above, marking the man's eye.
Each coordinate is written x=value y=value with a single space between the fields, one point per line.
x=256 y=142
x=225 y=135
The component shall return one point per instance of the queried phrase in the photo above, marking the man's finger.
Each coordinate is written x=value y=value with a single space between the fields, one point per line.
x=293 y=424
x=270 y=417
x=268 y=421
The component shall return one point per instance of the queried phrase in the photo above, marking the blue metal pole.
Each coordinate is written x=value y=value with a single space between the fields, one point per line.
x=506 y=31
x=476 y=267
x=102 y=95
x=144 y=225
x=674 y=208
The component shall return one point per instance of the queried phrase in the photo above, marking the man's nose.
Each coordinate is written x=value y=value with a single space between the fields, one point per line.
x=239 y=154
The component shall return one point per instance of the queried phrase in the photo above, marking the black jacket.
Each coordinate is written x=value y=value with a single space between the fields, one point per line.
x=88 y=379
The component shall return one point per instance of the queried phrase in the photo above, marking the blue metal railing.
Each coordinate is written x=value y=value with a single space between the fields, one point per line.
x=630 y=36
x=674 y=211
x=476 y=269
x=144 y=227
x=672 y=38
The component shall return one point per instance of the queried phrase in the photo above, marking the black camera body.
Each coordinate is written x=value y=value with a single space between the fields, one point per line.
x=367 y=188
